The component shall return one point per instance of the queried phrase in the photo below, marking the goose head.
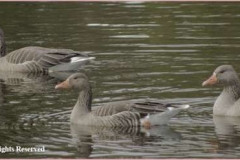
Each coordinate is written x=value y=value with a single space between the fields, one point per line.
x=75 y=81
x=224 y=75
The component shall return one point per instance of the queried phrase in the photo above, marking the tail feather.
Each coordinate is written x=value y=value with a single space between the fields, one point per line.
x=163 y=117
x=75 y=64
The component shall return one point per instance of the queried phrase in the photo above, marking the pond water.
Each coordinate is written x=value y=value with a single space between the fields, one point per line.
x=144 y=51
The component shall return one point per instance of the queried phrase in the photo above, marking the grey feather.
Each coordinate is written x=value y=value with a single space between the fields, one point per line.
x=228 y=102
x=113 y=114
x=39 y=59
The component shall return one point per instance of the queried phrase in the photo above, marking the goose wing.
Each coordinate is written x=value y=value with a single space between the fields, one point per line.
x=143 y=108
x=45 y=57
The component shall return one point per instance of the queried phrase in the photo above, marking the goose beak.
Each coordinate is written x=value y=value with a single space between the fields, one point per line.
x=63 y=85
x=210 y=81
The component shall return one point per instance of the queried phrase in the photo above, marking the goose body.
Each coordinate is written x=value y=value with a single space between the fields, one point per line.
x=40 y=59
x=115 y=114
x=228 y=102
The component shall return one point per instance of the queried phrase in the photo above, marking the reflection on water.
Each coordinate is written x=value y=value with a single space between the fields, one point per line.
x=23 y=84
x=154 y=51
x=227 y=130
x=30 y=82
x=85 y=137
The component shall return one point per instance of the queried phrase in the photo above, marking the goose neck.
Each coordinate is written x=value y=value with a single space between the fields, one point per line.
x=2 y=44
x=84 y=101
x=233 y=89
x=2 y=49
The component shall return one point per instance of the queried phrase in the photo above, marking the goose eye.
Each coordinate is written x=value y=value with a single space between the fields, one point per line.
x=75 y=78
x=222 y=71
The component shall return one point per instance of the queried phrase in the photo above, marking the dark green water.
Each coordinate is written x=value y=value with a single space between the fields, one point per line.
x=156 y=51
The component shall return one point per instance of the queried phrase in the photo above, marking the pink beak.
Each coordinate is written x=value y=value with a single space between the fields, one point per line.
x=63 y=85
x=210 y=81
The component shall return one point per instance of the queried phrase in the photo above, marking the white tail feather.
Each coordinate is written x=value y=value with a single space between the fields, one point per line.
x=75 y=64
x=77 y=59
x=164 y=117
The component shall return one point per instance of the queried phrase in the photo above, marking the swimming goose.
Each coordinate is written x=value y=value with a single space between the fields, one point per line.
x=228 y=103
x=40 y=59
x=116 y=113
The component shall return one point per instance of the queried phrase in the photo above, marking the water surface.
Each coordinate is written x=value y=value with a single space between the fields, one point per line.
x=155 y=51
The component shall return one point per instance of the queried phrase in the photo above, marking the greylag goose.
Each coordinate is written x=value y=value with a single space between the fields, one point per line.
x=40 y=59
x=228 y=103
x=115 y=114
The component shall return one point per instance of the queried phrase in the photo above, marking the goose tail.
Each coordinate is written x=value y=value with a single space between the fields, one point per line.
x=163 y=117
x=74 y=64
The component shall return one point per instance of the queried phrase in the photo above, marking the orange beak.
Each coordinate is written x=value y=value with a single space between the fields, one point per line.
x=63 y=85
x=210 y=81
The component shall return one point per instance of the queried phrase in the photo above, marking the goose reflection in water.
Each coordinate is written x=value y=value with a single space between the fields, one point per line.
x=84 y=137
x=12 y=78
x=26 y=85
x=227 y=131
